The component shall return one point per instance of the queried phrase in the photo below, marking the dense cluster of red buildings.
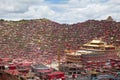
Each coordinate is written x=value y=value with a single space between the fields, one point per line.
x=28 y=69
x=38 y=41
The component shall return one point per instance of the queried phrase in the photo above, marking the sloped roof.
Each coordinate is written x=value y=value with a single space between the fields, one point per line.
x=109 y=46
x=97 y=41
x=92 y=45
x=40 y=66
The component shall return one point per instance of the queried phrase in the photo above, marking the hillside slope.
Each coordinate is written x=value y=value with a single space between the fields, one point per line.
x=45 y=36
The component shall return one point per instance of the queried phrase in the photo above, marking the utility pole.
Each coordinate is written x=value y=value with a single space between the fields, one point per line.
x=58 y=53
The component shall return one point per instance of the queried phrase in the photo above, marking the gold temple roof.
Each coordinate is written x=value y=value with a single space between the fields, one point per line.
x=97 y=41
x=93 y=45
x=109 y=46
x=90 y=47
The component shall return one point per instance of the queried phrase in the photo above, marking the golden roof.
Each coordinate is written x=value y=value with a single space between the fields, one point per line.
x=79 y=52
x=97 y=44
x=92 y=45
x=74 y=53
x=97 y=41
x=109 y=46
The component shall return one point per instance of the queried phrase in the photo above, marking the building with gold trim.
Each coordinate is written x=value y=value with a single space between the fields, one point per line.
x=95 y=51
x=100 y=51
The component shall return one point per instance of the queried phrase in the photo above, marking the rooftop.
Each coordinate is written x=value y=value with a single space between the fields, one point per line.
x=40 y=66
x=97 y=41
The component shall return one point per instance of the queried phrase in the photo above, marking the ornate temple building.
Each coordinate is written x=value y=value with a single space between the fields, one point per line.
x=95 y=52
x=99 y=51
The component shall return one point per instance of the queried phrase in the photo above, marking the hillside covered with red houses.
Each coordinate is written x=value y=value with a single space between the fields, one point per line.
x=44 y=36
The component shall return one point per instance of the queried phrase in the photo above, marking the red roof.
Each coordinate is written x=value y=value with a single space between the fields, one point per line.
x=13 y=72
x=25 y=64
x=12 y=65
x=56 y=73
x=45 y=71
x=6 y=59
